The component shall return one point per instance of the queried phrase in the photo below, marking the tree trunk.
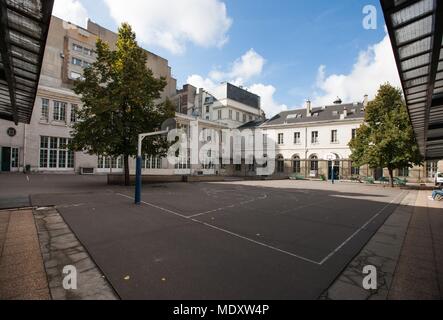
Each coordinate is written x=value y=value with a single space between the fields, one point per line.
x=127 y=177
x=391 y=177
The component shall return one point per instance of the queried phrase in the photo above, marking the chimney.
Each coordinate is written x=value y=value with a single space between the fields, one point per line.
x=365 y=101
x=345 y=114
x=308 y=108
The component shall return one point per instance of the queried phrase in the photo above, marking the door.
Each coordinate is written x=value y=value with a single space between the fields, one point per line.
x=6 y=159
x=336 y=170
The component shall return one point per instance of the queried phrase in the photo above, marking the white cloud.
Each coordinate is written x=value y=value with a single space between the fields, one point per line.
x=374 y=67
x=248 y=66
x=171 y=24
x=72 y=11
x=242 y=70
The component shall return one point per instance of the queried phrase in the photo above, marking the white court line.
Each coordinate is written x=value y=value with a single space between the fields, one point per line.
x=264 y=197
x=359 y=230
x=157 y=207
x=268 y=246
x=226 y=231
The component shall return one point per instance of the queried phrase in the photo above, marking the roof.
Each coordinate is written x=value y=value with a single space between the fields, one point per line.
x=23 y=31
x=251 y=124
x=327 y=113
x=415 y=28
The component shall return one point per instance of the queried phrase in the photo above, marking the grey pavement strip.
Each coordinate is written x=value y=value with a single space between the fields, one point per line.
x=383 y=251
x=61 y=248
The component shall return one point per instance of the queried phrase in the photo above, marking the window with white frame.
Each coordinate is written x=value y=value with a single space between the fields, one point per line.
x=244 y=118
x=74 y=110
x=77 y=47
x=237 y=116
x=55 y=154
x=88 y=52
x=355 y=170
x=76 y=61
x=431 y=168
x=334 y=136
x=150 y=162
x=105 y=162
x=184 y=161
x=314 y=137
x=59 y=113
x=219 y=113
x=297 y=138
x=14 y=158
x=296 y=164
x=230 y=114
x=403 y=172
x=45 y=110
x=281 y=139
x=354 y=133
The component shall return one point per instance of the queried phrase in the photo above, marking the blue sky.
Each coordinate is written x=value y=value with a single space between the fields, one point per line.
x=309 y=49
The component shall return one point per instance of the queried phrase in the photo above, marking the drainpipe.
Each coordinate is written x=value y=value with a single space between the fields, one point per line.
x=24 y=148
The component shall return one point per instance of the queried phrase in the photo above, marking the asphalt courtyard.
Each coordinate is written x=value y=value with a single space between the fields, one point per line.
x=233 y=240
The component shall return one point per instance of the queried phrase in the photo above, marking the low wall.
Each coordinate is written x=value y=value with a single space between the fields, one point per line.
x=119 y=179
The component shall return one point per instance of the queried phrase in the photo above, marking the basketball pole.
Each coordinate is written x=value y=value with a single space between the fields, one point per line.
x=138 y=170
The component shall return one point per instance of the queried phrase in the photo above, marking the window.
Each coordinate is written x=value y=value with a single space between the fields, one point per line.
x=14 y=158
x=297 y=138
x=184 y=162
x=54 y=153
x=281 y=139
x=280 y=164
x=354 y=133
x=77 y=48
x=250 y=118
x=77 y=61
x=207 y=109
x=314 y=137
x=238 y=167
x=296 y=164
x=230 y=114
x=45 y=110
x=334 y=136
x=244 y=118
x=355 y=170
x=74 y=109
x=314 y=163
x=237 y=116
x=151 y=162
x=59 y=111
x=105 y=162
x=76 y=76
x=219 y=114
x=88 y=52
x=403 y=172
x=431 y=168
x=86 y=64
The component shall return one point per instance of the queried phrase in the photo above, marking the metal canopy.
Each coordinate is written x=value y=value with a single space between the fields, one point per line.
x=24 y=26
x=415 y=28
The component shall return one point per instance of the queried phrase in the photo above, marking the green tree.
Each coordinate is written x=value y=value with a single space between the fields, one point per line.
x=119 y=95
x=387 y=139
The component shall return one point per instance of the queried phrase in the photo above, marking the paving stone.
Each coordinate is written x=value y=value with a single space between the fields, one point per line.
x=22 y=286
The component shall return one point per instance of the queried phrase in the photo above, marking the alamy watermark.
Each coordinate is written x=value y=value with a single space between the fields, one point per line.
x=370 y=281
x=370 y=17
x=218 y=147
x=70 y=278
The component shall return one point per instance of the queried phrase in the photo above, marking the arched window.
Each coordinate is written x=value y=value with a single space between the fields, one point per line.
x=314 y=163
x=280 y=164
x=296 y=164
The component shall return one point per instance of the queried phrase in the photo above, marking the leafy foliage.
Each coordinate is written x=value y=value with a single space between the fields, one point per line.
x=119 y=95
x=387 y=139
